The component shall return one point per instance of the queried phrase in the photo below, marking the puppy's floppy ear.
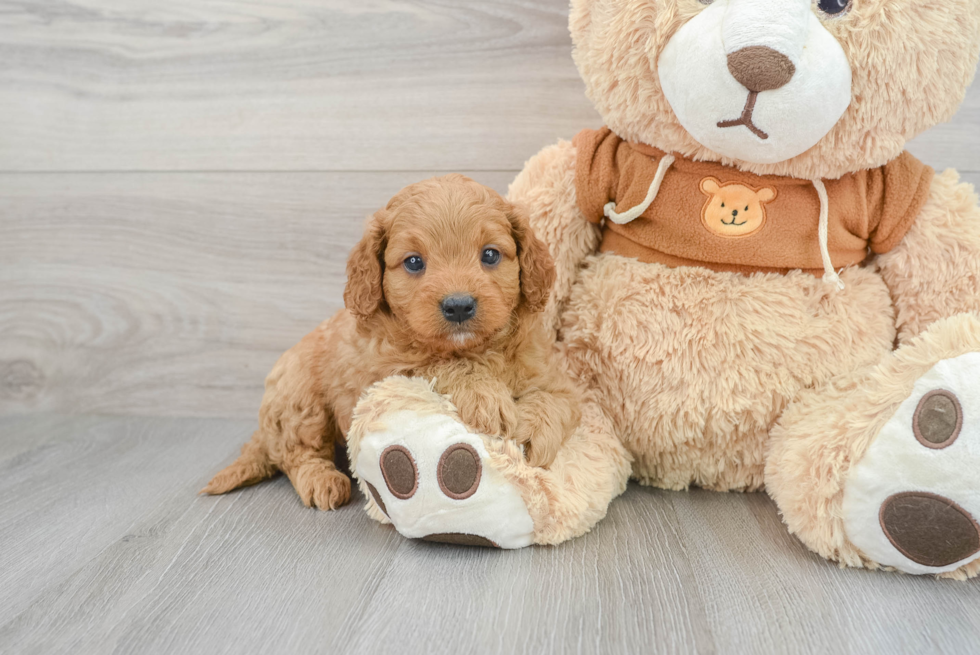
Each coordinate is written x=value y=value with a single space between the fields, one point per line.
x=537 y=267
x=364 y=293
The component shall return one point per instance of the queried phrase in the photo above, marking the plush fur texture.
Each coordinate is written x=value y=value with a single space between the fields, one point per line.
x=935 y=271
x=703 y=373
x=564 y=500
x=713 y=360
x=719 y=379
x=546 y=189
x=497 y=365
x=929 y=50
x=830 y=427
x=757 y=80
x=694 y=366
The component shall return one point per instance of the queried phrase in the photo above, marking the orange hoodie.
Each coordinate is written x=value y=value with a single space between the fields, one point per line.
x=715 y=216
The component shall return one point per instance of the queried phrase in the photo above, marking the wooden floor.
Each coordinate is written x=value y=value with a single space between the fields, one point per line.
x=180 y=184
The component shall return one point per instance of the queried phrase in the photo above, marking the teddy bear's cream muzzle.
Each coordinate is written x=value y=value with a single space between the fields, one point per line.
x=756 y=80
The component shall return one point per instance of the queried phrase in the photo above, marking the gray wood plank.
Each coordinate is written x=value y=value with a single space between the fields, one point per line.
x=167 y=294
x=306 y=85
x=290 y=85
x=972 y=178
x=140 y=292
x=118 y=554
x=765 y=593
x=171 y=294
x=624 y=588
x=955 y=144
x=22 y=433
x=70 y=487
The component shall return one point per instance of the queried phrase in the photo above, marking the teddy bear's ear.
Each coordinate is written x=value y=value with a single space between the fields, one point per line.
x=710 y=186
x=766 y=194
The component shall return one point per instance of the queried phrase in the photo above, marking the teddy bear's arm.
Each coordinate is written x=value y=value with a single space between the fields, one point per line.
x=546 y=189
x=934 y=272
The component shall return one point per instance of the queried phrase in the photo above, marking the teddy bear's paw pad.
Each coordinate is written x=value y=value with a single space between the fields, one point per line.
x=912 y=501
x=458 y=539
x=459 y=471
x=433 y=479
x=912 y=520
x=399 y=471
x=378 y=500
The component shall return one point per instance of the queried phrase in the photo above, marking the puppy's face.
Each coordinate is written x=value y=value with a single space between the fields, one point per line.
x=455 y=261
x=451 y=270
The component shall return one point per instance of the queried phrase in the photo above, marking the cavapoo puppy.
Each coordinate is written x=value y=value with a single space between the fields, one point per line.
x=446 y=284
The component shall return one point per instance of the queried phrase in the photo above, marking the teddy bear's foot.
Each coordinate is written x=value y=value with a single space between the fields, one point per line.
x=879 y=468
x=913 y=500
x=432 y=479
x=425 y=472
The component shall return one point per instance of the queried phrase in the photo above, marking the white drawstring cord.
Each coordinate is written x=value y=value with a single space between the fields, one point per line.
x=621 y=219
x=829 y=275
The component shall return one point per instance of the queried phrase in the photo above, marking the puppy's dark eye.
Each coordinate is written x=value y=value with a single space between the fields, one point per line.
x=414 y=264
x=490 y=256
x=833 y=7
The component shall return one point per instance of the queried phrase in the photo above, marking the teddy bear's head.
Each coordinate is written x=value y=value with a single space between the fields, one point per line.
x=807 y=88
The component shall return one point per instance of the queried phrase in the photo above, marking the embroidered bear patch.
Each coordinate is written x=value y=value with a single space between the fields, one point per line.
x=732 y=209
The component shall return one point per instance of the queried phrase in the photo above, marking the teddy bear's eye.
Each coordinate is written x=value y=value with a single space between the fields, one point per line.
x=746 y=208
x=722 y=204
x=833 y=7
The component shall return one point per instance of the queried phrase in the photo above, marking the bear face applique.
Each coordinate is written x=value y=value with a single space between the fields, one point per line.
x=732 y=209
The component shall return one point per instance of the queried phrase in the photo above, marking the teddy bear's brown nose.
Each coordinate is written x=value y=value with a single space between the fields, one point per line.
x=759 y=68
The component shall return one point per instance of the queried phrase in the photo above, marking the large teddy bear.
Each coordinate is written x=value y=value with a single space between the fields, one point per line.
x=757 y=285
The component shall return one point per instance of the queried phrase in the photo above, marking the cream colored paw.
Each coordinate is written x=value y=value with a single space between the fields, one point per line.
x=431 y=478
x=913 y=500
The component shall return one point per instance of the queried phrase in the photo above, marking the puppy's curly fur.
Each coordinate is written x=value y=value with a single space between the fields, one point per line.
x=496 y=366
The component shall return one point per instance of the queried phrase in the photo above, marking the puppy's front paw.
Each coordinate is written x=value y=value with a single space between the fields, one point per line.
x=488 y=424
x=319 y=484
x=541 y=452
x=486 y=415
x=541 y=441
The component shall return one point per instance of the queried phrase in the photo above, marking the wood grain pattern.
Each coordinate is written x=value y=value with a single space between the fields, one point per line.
x=70 y=487
x=289 y=85
x=180 y=184
x=302 y=85
x=117 y=554
x=130 y=292
x=955 y=144
x=170 y=294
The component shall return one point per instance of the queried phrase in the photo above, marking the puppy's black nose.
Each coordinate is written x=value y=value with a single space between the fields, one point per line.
x=458 y=307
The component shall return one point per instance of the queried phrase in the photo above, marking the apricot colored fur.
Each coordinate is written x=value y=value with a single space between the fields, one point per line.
x=497 y=367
